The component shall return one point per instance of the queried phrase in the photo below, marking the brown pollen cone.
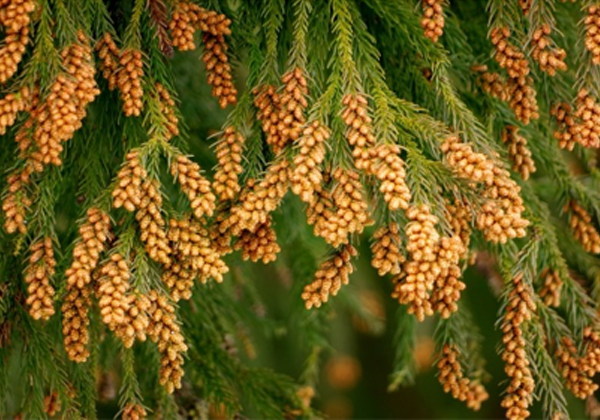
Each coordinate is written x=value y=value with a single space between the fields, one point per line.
x=387 y=257
x=307 y=175
x=129 y=82
x=229 y=156
x=360 y=131
x=519 y=153
x=15 y=17
x=37 y=276
x=165 y=331
x=549 y=58
x=329 y=278
x=583 y=228
x=519 y=309
x=520 y=85
x=452 y=378
x=432 y=21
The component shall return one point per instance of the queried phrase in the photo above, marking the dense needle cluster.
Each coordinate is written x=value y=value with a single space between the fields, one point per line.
x=15 y=17
x=519 y=153
x=38 y=277
x=519 y=309
x=521 y=94
x=433 y=18
x=583 y=228
x=452 y=378
x=329 y=278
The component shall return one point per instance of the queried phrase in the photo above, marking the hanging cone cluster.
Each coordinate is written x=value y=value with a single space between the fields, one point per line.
x=58 y=117
x=229 y=150
x=260 y=245
x=167 y=108
x=268 y=102
x=525 y=6
x=292 y=106
x=519 y=394
x=93 y=237
x=135 y=322
x=519 y=153
x=448 y=286
x=129 y=82
x=491 y=83
x=577 y=371
x=522 y=95
x=134 y=412
x=551 y=287
x=568 y=132
x=500 y=217
x=550 y=59
x=193 y=257
x=38 y=274
x=351 y=212
x=329 y=278
x=111 y=291
x=152 y=224
x=387 y=257
x=195 y=186
x=307 y=175
x=587 y=114
x=413 y=286
x=52 y=404
x=452 y=378
x=127 y=194
x=11 y=105
x=165 y=331
x=592 y=36
x=260 y=200
x=433 y=18
x=459 y=217
x=583 y=229
x=360 y=131
x=109 y=54
x=15 y=17
x=388 y=167
x=16 y=202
